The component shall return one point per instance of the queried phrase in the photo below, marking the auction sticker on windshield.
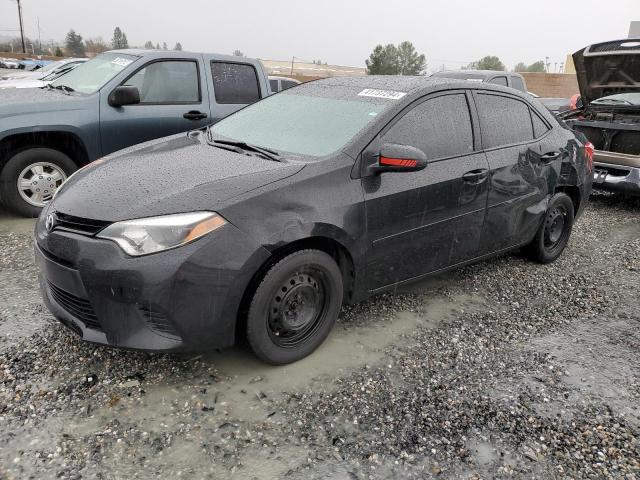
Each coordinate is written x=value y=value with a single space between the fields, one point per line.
x=390 y=94
x=123 y=62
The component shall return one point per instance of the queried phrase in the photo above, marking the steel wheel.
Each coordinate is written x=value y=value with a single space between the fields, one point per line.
x=554 y=227
x=38 y=182
x=297 y=309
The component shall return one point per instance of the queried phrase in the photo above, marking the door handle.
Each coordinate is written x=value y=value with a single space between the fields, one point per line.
x=195 y=115
x=475 y=176
x=547 y=157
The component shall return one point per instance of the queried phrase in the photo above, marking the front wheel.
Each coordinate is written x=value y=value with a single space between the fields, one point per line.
x=31 y=177
x=553 y=235
x=295 y=307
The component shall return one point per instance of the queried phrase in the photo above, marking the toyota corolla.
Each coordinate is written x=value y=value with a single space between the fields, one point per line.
x=258 y=229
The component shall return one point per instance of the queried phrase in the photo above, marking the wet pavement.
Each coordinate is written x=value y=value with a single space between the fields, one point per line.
x=502 y=369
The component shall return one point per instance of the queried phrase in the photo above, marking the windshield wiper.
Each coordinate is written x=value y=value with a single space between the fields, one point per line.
x=265 y=152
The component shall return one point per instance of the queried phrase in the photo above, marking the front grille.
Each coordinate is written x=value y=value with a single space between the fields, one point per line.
x=158 y=322
x=84 y=226
x=76 y=306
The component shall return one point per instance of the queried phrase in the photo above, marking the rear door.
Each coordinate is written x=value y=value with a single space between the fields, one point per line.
x=173 y=99
x=419 y=222
x=518 y=184
x=234 y=85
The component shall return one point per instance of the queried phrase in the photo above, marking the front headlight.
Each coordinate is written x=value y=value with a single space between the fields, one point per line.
x=155 y=234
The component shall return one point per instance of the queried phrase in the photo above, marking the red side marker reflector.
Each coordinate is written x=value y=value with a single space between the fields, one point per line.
x=397 y=162
x=589 y=150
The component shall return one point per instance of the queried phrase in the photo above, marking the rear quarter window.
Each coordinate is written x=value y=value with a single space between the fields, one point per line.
x=235 y=83
x=517 y=83
x=503 y=120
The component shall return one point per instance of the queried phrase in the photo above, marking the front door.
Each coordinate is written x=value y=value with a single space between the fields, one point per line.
x=419 y=222
x=173 y=99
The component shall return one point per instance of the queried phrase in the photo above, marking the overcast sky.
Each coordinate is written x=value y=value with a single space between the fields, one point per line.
x=452 y=32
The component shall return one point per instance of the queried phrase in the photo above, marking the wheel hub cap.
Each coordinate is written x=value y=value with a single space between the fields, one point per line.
x=38 y=182
x=554 y=226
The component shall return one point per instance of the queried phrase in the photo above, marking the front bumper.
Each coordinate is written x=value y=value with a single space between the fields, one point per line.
x=182 y=299
x=616 y=177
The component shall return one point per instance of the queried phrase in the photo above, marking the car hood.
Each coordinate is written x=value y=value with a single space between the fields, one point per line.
x=608 y=68
x=174 y=175
x=17 y=101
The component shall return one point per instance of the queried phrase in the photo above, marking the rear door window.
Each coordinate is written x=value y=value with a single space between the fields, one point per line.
x=235 y=83
x=440 y=127
x=167 y=82
x=539 y=127
x=273 y=84
x=499 y=81
x=503 y=120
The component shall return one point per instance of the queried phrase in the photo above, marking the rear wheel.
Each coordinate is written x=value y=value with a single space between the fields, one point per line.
x=31 y=177
x=553 y=235
x=295 y=307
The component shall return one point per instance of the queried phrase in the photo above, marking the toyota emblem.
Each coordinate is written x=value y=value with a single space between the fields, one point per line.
x=49 y=222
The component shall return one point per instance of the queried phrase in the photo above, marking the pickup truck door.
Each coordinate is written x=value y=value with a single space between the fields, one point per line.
x=174 y=98
x=234 y=84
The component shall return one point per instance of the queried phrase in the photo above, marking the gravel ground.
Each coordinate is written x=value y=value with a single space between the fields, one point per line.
x=502 y=369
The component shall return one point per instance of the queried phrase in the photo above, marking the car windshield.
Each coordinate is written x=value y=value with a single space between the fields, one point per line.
x=312 y=120
x=92 y=75
x=628 y=99
x=50 y=66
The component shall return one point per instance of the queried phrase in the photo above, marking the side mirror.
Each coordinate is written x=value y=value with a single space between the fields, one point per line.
x=399 y=158
x=124 y=95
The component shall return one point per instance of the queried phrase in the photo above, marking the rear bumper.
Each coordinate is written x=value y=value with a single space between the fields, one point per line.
x=186 y=299
x=616 y=177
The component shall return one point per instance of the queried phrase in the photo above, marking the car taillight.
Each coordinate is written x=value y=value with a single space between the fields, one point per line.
x=589 y=150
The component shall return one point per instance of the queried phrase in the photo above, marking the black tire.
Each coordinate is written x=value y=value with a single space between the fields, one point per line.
x=294 y=307
x=20 y=161
x=553 y=235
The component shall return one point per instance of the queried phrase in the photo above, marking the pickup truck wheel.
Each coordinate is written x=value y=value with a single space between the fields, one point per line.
x=31 y=177
x=553 y=235
x=295 y=307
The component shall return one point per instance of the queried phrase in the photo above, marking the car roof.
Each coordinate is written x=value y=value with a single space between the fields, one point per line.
x=411 y=84
x=476 y=73
x=141 y=52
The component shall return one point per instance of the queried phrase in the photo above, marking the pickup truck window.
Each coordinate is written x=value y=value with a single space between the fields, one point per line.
x=92 y=75
x=517 y=83
x=235 y=83
x=274 y=85
x=167 y=82
x=539 y=127
x=499 y=81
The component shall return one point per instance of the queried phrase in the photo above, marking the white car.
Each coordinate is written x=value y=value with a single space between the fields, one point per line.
x=41 y=72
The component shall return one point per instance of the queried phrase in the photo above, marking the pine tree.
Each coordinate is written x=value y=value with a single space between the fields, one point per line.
x=74 y=45
x=178 y=46
x=119 y=39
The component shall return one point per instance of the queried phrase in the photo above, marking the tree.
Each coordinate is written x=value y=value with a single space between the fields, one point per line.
x=157 y=46
x=178 y=46
x=520 y=67
x=490 y=63
x=95 y=45
x=148 y=45
x=238 y=53
x=536 y=67
x=383 y=61
x=409 y=62
x=392 y=60
x=164 y=45
x=119 y=39
x=73 y=44
x=58 y=52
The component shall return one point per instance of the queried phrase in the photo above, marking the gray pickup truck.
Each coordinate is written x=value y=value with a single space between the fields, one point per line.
x=118 y=99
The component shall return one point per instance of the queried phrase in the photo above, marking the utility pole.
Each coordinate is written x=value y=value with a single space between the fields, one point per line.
x=39 y=40
x=292 y=60
x=24 y=47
